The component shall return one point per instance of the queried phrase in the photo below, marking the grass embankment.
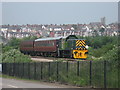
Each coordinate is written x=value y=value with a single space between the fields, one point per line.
x=18 y=78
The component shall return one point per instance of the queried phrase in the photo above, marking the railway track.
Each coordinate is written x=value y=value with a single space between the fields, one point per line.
x=51 y=59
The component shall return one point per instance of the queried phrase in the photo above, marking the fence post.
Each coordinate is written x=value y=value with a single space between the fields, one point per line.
x=77 y=68
x=3 y=68
x=23 y=70
x=105 y=74
x=90 y=73
x=18 y=70
x=57 y=71
x=34 y=70
x=41 y=69
x=49 y=69
x=13 y=74
x=8 y=68
x=67 y=68
x=28 y=70
x=14 y=68
x=11 y=69
x=118 y=74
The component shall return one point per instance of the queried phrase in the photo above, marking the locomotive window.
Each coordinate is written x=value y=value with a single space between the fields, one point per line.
x=63 y=43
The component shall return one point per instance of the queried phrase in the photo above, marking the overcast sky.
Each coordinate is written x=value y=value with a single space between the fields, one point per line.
x=58 y=13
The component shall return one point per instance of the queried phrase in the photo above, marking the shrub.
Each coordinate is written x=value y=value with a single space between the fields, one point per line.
x=15 y=55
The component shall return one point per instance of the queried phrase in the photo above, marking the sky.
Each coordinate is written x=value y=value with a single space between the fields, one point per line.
x=58 y=12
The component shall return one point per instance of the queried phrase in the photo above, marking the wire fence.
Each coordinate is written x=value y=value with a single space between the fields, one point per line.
x=103 y=74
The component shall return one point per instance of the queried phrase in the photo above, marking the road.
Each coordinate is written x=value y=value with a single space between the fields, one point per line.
x=13 y=83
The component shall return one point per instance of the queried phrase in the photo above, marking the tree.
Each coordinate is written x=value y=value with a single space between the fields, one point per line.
x=29 y=38
x=95 y=33
x=14 y=42
x=15 y=55
x=102 y=31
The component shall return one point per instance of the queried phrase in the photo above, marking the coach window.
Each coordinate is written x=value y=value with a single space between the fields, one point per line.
x=41 y=43
x=37 y=44
x=47 y=43
x=53 y=44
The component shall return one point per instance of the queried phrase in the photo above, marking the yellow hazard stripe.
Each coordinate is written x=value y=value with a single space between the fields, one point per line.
x=80 y=43
x=80 y=48
x=83 y=41
x=77 y=44
x=77 y=41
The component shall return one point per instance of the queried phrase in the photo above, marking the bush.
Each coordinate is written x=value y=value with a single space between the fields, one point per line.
x=112 y=54
x=14 y=43
x=99 y=46
x=11 y=53
x=15 y=55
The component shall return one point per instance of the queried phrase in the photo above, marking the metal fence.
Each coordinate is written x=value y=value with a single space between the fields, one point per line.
x=101 y=74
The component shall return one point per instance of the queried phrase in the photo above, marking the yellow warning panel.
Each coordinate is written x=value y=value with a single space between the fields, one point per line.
x=80 y=43
x=80 y=53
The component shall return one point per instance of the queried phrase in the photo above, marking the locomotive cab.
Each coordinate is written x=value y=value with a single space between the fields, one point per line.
x=72 y=47
x=77 y=48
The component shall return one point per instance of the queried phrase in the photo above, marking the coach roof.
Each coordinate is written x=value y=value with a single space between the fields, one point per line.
x=50 y=38
x=57 y=38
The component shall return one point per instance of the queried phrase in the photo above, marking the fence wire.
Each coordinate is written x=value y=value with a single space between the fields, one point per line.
x=102 y=74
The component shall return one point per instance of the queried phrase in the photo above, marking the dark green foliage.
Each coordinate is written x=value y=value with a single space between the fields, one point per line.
x=103 y=50
x=14 y=42
x=29 y=38
x=3 y=40
x=112 y=55
x=15 y=55
x=6 y=48
x=102 y=47
x=10 y=51
x=99 y=41
x=102 y=31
